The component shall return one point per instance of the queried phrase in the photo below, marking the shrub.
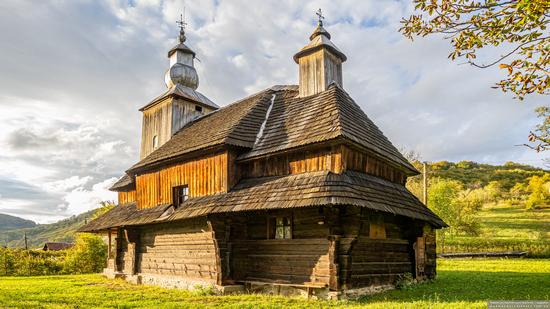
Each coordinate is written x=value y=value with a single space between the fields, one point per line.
x=89 y=255
x=19 y=262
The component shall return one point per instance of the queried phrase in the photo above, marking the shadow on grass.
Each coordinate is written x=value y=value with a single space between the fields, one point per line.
x=470 y=286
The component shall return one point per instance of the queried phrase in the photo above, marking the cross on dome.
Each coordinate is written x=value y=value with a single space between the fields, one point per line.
x=319 y=14
x=181 y=23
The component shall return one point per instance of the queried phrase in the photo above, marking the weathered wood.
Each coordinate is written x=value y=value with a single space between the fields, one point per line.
x=204 y=176
x=126 y=197
x=164 y=119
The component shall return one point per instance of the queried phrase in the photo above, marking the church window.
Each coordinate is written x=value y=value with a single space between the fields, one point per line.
x=279 y=228
x=198 y=108
x=155 y=142
x=180 y=194
x=377 y=228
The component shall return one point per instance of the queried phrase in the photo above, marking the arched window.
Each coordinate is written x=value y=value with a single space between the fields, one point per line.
x=155 y=142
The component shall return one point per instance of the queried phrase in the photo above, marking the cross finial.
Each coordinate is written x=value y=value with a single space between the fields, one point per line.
x=319 y=14
x=181 y=23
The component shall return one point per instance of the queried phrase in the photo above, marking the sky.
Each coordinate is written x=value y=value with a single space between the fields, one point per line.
x=73 y=75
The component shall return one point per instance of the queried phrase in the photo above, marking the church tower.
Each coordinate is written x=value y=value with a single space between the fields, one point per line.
x=180 y=104
x=320 y=62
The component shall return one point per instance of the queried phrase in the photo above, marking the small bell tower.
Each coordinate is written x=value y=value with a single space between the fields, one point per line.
x=320 y=62
x=180 y=104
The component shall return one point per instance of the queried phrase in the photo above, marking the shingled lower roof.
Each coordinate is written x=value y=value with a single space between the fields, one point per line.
x=292 y=122
x=302 y=190
x=298 y=121
x=123 y=183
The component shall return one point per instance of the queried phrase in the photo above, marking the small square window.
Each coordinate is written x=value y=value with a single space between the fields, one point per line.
x=279 y=228
x=180 y=194
x=198 y=108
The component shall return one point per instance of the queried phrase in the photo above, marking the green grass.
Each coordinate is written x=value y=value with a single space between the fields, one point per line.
x=507 y=227
x=460 y=283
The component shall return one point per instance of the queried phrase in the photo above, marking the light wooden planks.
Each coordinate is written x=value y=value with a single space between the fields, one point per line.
x=205 y=176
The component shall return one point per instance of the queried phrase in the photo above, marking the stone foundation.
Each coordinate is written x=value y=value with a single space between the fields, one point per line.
x=313 y=292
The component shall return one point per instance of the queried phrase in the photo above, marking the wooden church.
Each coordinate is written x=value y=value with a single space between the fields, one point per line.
x=292 y=190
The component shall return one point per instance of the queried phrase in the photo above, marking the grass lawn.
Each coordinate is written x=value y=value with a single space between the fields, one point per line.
x=507 y=227
x=460 y=283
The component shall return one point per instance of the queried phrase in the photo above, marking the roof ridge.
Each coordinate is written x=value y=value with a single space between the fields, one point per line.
x=333 y=87
x=401 y=160
x=263 y=95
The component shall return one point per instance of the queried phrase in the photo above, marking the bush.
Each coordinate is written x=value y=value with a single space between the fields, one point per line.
x=19 y=262
x=89 y=255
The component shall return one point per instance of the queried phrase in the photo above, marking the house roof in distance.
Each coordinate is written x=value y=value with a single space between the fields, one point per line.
x=57 y=246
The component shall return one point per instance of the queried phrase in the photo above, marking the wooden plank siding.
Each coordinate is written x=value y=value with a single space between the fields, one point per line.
x=155 y=123
x=204 y=176
x=293 y=163
x=335 y=159
x=126 y=197
x=165 y=119
x=362 y=162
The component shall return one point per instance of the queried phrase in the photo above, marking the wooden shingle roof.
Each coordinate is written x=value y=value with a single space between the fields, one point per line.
x=236 y=124
x=123 y=183
x=292 y=122
x=302 y=190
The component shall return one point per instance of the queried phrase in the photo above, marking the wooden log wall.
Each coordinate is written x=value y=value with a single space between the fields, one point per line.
x=126 y=251
x=184 y=248
x=205 y=176
x=304 y=259
x=336 y=159
x=126 y=197
x=290 y=261
x=365 y=261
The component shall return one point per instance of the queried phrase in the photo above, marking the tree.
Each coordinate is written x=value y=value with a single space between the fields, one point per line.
x=493 y=190
x=455 y=205
x=89 y=255
x=518 y=26
x=539 y=189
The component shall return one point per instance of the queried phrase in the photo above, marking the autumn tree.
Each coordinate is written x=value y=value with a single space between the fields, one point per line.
x=519 y=27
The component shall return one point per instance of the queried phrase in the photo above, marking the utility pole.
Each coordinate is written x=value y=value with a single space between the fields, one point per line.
x=26 y=246
x=425 y=180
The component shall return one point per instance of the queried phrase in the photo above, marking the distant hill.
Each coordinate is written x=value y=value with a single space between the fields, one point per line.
x=473 y=174
x=8 y=222
x=37 y=235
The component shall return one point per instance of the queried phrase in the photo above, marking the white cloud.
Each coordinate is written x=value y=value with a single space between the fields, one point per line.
x=79 y=200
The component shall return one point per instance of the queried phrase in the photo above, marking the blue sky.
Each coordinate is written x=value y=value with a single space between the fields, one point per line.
x=74 y=73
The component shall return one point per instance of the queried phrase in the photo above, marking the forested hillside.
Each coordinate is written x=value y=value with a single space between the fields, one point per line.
x=8 y=222
x=63 y=230
x=475 y=175
x=489 y=207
